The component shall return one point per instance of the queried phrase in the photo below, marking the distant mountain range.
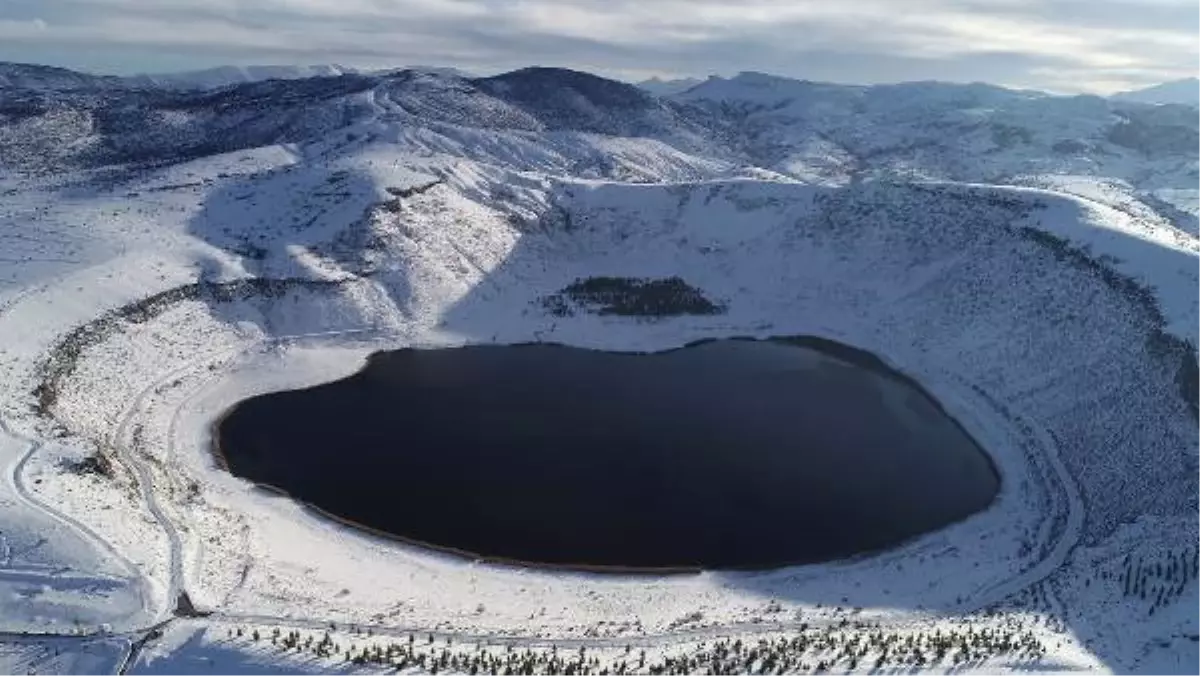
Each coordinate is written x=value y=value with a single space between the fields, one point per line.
x=211 y=78
x=660 y=87
x=222 y=76
x=51 y=118
x=1185 y=91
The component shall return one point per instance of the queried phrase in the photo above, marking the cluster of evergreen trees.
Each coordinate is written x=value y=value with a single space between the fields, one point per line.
x=865 y=650
x=1162 y=579
x=631 y=296
x=857 y=647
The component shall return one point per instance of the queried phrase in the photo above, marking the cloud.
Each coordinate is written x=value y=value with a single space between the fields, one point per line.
x=1065 y=45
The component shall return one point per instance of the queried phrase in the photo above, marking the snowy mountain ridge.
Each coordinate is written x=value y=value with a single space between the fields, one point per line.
x=222 y=76
x=34 y=76
x=661 y=87
x=811 y=131
x=1185 y=91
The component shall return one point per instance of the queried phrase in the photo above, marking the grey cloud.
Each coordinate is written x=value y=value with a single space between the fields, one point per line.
x=1117 y=14
x=1055 y=44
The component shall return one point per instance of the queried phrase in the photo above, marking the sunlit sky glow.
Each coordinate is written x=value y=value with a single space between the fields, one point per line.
x=1059 y=45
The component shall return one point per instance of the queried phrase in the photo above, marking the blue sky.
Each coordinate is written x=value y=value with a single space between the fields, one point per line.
x=1059 y=45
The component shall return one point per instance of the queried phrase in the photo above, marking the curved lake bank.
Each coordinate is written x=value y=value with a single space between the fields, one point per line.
x=721 y=454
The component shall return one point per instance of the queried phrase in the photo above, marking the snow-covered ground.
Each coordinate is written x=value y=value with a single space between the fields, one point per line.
x=1055 y=318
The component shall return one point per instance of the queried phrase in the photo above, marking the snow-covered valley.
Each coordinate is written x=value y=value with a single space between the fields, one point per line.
x=164 y=255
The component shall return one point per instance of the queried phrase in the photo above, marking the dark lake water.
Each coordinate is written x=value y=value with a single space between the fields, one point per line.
x=723 y=454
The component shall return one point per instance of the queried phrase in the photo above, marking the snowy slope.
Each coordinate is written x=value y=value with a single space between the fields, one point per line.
x=166 y=254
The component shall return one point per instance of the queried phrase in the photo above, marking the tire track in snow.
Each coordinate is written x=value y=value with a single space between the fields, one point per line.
x=13 y=477
x=139 y=582
x=1065 y=544
x=176 y=583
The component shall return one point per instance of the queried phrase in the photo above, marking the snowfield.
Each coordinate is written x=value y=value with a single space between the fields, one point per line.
x=1051 y=310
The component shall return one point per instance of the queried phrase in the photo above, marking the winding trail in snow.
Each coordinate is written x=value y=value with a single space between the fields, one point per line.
x=1066 y=541
x=146 y=489
x=86 y=534
x=22 y=491
x=176 y=582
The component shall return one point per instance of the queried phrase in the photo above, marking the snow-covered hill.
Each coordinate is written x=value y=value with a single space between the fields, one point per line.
x=1185 y=91
x=222 y=76
x=165 y=253
x=19 y=76
x=661 y=87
